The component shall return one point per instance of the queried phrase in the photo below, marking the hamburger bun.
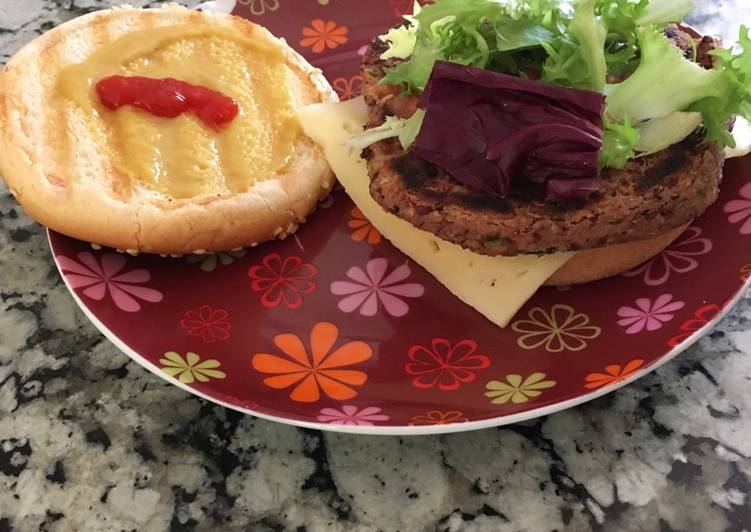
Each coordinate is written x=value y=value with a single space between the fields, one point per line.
x=66 y=177
x=599 y=263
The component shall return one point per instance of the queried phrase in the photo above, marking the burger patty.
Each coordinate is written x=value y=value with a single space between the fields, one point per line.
x=648 y=197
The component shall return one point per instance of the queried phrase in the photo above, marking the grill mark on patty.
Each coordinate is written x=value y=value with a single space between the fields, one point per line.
x=486 y=201
x=664 y=173
x=415 y=171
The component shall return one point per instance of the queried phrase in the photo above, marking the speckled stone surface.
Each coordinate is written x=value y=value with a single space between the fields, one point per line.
x=91 y=441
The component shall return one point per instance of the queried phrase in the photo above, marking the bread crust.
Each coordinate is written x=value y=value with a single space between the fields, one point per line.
x=600 y=263
x=146 y=221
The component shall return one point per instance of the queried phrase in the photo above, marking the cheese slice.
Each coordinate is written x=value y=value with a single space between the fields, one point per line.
x=497 y=287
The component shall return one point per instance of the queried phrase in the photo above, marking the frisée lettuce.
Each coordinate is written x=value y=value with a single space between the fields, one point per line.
x=656 y=93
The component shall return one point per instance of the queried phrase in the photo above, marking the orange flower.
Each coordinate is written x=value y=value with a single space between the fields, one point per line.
x=613 y=374
x=319 y=369
x=348 y=88
x=362 y=228
x=436 y=417
x=324 y=34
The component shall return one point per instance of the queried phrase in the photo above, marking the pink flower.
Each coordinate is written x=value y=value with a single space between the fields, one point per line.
x=372 y=285
x=350 y=415
x=678 y=258
x=740 y=210
x=648 y=315
x=99 y=276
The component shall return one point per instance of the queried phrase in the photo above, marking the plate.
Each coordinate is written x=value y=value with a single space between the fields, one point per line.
x=335 y=329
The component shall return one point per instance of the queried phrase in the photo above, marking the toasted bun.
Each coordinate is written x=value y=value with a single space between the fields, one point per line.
x=599 y=263
x=87 y=206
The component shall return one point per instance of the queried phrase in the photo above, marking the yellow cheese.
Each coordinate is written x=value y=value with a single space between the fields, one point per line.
x=495 y=286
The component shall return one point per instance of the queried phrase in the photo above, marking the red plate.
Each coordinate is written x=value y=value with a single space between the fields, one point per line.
x=336 y=329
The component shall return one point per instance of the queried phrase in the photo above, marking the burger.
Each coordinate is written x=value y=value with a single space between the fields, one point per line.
x=567 y=141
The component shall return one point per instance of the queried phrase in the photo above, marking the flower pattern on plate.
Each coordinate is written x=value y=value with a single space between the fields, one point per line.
x=208 y=323
x=191 y=368
x=370 y=286
x=351 y=415
x=561 y=329
x=362 y=229
x=321 y=35
x=680 y=257
x=348 y=88
x=517 y=389
x=315 y=370
x=210 y=261
x=98 y=277
x=444 y=364
x=614 y=373
x=259 y=7
x=647 y=314
x=437 y=417
x=405 y=7
x=740 y=210
x=282 y=281
x=701 y=318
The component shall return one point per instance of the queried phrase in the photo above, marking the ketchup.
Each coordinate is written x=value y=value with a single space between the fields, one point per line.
x=167 y=97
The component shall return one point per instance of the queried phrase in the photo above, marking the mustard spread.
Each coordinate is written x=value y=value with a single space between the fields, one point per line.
x=181 y=157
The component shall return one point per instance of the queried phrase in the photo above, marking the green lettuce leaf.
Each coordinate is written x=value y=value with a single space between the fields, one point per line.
x=578 y=58
x=477 y=33
x=520 y=34
x=584 y=44
x=732 y=94
x=717 y=94
x=401 y=40
x=664 y=11
x=413 y=74
x=621 y=44
x=619 y=142
x=660 y=133
x=406 y=129
x=664 y=82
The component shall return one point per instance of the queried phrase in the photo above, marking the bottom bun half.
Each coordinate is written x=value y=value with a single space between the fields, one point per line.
x=599 y=263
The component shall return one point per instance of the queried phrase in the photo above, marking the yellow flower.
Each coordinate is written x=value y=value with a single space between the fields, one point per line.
x=190 y=369
x=562 y=329
x=210 y=261
x=517 y=390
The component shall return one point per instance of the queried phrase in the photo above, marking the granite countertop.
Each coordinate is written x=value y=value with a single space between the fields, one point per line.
x=91 y=441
